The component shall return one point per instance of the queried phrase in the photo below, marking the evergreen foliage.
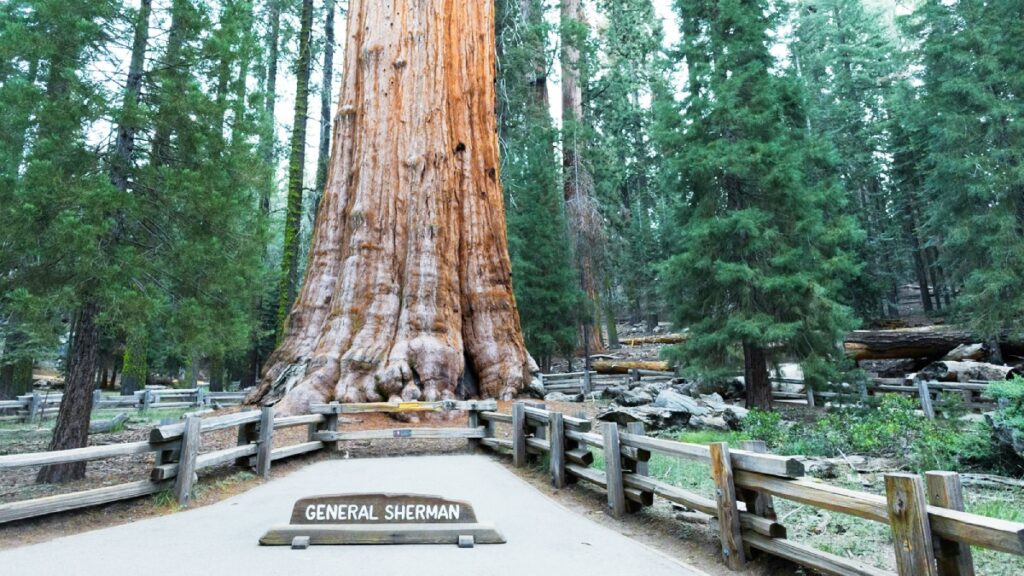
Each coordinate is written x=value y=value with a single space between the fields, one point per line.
x=545 y=285
x=760 y=255
x=974 y=153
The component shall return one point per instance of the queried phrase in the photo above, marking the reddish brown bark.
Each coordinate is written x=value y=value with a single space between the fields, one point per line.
x=72 y=428
x=584 y=218
x=408 y=285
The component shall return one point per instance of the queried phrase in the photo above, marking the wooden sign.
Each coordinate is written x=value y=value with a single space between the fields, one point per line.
x=381 y=509
x=379 y=518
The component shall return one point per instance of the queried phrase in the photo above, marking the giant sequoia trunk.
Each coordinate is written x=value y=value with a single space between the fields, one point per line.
x=408 y=290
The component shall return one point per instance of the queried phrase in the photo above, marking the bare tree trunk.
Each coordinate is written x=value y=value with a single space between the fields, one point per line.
x=326 y=89
x=408 y=285
x=296 y=168
x=584 y=218
x=755 y=376
x=72 y=430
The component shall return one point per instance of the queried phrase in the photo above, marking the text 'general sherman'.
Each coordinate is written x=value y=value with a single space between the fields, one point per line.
x=381 y=509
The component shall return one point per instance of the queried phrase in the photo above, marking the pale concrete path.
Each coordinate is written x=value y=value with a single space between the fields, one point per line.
x=543 y=536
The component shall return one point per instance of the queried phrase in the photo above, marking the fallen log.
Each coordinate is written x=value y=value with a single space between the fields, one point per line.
x=624 y=366
x=949 y=371
x=661 y=339
x=932 y=342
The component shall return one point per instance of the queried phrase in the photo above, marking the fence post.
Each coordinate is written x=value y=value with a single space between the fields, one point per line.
x=473 y=421
x=634 y=375
x=640 y=465
x=613 y=469
x=518 y=435
x=201 y=399
x=246 y=435
x=635 y=462
x=926 y=399
x=147 y=399
x=728 y=511
x=34 y=407
x=266 y=442
x=557 y=434
x=911 y=533
x=810 y=394
x=190 y=442
x=97 y=396
x=540 y=431
x=759 y=503
x=331 y=425
x=953 y=558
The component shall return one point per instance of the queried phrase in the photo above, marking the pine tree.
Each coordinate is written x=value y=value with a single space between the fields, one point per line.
x=844 y=56
x=152 y=238
x=545 y=286
x=758 y=257
x=625 y=164
x=972 y=80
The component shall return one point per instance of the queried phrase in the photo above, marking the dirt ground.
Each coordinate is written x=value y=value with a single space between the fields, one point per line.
x=656 y=526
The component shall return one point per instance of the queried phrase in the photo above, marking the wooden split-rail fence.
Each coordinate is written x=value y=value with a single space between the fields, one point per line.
x=179 y=456
x=932 y=535
x=927 y=391
x=42 y=404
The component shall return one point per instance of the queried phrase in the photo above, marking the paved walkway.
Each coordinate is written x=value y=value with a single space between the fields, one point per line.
x=543 y=536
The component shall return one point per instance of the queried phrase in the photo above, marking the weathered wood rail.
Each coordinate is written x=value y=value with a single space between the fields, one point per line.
x=179 y=456
x=41 y=404
x=932 y=534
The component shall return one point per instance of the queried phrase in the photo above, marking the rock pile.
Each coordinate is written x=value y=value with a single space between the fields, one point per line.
x=670 y=408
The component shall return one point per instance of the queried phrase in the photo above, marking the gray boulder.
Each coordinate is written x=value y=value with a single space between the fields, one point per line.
x=676 y=402
x=613 y=392
x=652 y=418
x=635 y=398
x=560 y=397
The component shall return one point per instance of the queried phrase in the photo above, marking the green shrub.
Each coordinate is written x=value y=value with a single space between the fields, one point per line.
x=766 y=426
x=892 y=429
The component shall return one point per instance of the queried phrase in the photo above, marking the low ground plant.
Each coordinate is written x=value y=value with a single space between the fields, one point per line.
x=891 y=428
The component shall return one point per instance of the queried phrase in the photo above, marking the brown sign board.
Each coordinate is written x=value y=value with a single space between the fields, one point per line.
x=382 y=508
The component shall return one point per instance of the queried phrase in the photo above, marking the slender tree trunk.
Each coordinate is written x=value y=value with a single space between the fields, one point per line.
x=409 y=273
x=217 y=372
x=296 y=169
x=174 y=71
x=326 y=90
x=584 y=219
x=755 y=376
x=532 y=13
x=136 y=367
x=72 y=430
x=268 y=138
x=128 y=125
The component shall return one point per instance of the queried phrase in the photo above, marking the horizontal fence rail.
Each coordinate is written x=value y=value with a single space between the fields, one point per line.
x=41 y=404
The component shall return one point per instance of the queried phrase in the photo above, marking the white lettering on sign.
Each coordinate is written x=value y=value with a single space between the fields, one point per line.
x=340 y=512
x=422 y=512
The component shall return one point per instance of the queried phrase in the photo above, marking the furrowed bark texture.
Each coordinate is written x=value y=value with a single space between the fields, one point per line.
x=408 y=287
